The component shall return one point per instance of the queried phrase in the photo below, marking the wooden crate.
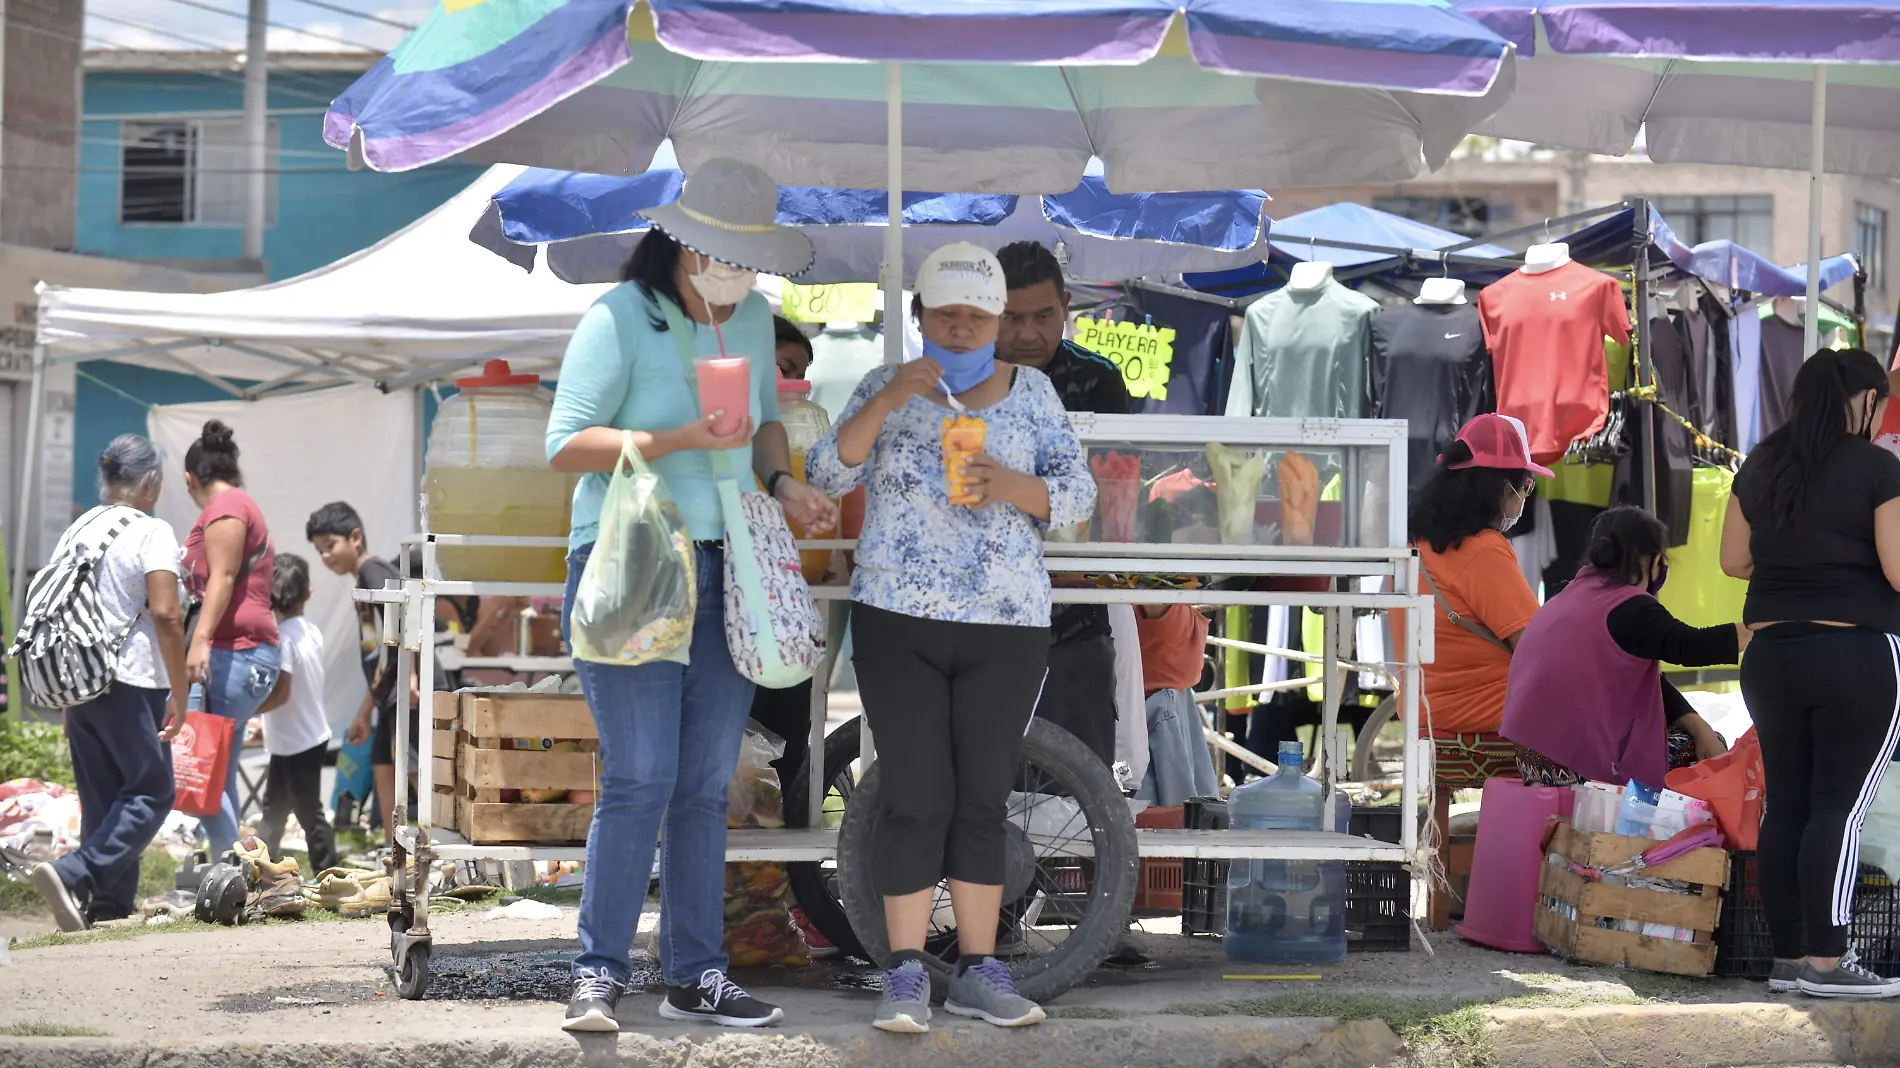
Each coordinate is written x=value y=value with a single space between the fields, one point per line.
x=443 y=714
x=1582 y=940
x=487 y=764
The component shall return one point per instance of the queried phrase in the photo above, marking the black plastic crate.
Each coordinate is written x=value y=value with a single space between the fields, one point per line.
x=1743 y=949
x=1378 y=893
x=1378 y=906
x=1204 y=882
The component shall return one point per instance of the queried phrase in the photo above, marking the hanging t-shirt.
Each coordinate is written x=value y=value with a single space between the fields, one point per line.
x=1676 y=378
x=1545 y=333
x=1745 y=353
x=1303 y=354
x=1782 y=353
x=1429 y=367
x=1202 y=365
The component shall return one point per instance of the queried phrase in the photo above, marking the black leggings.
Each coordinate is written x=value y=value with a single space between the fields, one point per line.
x=1826 y=706
x=948 y=704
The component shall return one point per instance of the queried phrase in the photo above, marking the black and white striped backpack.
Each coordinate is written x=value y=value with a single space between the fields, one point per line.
x=67 y=653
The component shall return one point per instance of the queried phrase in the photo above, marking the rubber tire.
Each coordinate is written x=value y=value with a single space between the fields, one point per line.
x=1387 y=712
x=412 y=982
x=807 y=879
x=1112 y=897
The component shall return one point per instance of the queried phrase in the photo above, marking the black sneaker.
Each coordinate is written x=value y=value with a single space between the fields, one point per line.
x=596 y=997
x=719 y=1000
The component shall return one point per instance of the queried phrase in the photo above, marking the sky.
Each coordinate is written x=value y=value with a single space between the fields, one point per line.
x=182 y=25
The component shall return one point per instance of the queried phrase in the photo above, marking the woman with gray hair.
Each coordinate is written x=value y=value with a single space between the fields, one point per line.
x=121 y=740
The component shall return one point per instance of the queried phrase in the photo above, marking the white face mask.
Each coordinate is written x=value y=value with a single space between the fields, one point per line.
x=1506 y=522
x=721 y=284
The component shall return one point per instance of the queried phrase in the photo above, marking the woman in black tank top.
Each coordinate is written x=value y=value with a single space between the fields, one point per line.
x=1814 y=526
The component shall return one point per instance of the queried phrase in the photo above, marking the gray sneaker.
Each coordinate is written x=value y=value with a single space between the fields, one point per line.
x=58 y=898
x=1846 y=980
x=1786 y=977
x=905 y=1009
x=988 y=993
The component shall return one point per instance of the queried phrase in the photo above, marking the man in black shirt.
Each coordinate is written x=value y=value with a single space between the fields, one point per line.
x=1079 y=693
x=1032 y=328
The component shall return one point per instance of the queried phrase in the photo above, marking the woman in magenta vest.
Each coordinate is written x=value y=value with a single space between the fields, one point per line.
x=1587 y=700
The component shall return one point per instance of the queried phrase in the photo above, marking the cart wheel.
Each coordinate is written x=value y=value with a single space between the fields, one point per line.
x=815 y=884
x=1364 y=748
x=1070 y=880
x=412 y=979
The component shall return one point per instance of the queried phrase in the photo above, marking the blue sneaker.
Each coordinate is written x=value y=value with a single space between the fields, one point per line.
x=905 y=1009
x=987 y=992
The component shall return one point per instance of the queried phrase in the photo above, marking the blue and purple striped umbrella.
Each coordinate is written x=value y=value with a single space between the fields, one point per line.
x=1708 y=81
x=1009 y=96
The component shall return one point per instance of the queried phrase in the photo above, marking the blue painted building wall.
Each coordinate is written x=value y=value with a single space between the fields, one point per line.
x=323 y=212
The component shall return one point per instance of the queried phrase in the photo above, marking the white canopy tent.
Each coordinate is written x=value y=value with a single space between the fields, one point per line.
x=417 y=307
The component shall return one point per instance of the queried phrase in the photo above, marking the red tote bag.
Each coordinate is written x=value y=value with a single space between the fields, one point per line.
x=201 y=754
x=1733 y=785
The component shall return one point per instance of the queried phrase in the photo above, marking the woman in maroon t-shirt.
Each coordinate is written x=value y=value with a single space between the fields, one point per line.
x=229 y=564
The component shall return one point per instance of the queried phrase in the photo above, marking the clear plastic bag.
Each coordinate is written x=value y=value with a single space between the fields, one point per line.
x=753 y=797
x=636 y=596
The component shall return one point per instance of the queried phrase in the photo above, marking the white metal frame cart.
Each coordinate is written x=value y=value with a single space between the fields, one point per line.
x=1361 y=525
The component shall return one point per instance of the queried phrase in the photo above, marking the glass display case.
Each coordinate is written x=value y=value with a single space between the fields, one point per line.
x=1213 y=480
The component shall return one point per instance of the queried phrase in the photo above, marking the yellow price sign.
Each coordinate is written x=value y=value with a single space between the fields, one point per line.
x=845 y=302
x=1144 y=353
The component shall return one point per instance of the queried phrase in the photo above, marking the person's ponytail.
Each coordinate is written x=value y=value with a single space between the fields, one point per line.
x=1817 y=423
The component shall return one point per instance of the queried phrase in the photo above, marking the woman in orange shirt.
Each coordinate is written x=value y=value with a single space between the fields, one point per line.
x=1458 y=523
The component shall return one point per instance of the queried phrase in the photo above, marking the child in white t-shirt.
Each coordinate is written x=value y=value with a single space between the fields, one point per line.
x=296 y=730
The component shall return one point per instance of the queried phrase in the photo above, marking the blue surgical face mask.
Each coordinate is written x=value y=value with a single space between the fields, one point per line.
x=1656 y=584
x=963 y=371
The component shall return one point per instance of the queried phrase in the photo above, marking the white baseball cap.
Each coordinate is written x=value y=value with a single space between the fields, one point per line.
x=962 y=273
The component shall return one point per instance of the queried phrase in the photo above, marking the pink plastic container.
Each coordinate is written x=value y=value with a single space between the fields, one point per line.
x=1502 y=903
x=725 y=385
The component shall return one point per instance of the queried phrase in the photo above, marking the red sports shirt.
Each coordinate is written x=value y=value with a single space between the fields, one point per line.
x=1545 y=332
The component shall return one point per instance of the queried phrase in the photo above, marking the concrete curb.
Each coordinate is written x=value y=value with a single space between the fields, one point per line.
x=1698 y=1036
x=1148 y=1042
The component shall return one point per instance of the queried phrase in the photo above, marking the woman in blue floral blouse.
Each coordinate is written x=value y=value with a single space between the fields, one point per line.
x=951 y=619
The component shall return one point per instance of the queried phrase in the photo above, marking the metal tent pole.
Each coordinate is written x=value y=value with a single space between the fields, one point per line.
x=1639 y=288
x=894 y=215
x=1817 y=126
x=36 y=400
x=256 y=128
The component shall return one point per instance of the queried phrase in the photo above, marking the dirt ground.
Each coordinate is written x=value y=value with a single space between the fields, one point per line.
x=300 y=980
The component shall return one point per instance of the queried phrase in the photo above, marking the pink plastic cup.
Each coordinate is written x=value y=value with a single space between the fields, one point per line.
x=725 y=385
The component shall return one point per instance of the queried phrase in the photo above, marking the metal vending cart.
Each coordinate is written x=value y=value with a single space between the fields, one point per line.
x=1224 y=501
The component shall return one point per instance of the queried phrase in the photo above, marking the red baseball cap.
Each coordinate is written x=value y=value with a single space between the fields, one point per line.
x=1497 y=441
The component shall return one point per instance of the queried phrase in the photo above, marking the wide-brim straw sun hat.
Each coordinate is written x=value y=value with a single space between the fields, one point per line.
x=729 y=211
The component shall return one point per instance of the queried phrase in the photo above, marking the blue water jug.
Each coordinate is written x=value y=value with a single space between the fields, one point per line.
x=1284 y=911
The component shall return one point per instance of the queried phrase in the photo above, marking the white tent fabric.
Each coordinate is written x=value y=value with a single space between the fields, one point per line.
x=353 y=444
x=414 y=304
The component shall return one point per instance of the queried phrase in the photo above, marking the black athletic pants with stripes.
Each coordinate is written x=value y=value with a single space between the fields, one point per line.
x=948 y=705
x=1826 y=705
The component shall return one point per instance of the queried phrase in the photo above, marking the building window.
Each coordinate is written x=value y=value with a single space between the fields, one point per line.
x=1470 y=216
x=1747 y=221
x=1870 y=244
x=189 y=171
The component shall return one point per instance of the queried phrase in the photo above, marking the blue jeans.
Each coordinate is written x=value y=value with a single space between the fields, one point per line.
x=1179 y=764
x=124 y=777
x=669 y=744
x=240 y=680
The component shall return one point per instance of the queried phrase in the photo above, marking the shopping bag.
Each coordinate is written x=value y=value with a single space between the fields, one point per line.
x=201 y=755
x=636 y=596
x=773 y=629
x=1734 y=787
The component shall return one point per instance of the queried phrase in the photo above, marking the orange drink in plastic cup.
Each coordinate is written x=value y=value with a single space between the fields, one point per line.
x=962 y=439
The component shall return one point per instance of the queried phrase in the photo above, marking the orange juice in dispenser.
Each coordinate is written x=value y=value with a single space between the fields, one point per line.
x=487 y=473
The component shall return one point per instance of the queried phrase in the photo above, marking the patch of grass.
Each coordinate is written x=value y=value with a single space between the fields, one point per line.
x=48 y=1029
x=157 y=870
x=185 y=925
x=1084 y=1012
x=1449 y=1031
x=553 y=895
x=34 y=751
x=1654 y=986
